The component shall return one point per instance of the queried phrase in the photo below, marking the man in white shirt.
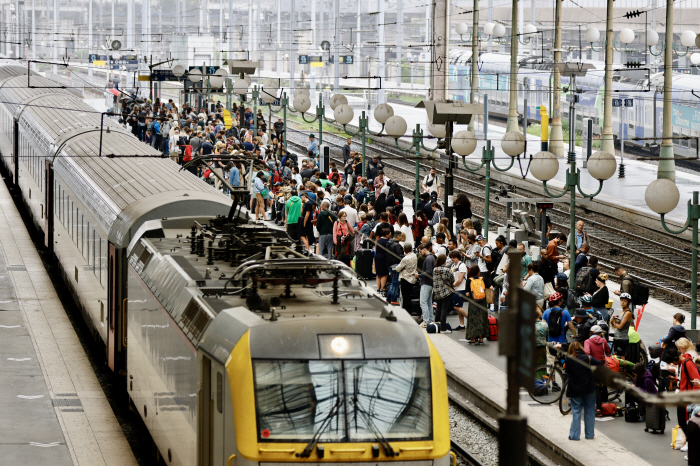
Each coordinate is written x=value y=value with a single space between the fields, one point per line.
x=484 y=258
x=431 y=183
x=264 y=137
x=439 y=246
x=350 y=210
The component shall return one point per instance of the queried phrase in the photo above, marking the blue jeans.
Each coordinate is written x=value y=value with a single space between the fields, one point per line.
x=325 y=246
x=587 y=405
x=426 y=303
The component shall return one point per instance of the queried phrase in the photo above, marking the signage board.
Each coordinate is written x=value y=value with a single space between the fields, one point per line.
x=617 y=102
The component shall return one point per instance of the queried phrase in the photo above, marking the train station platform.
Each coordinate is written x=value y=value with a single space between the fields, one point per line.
x=52 y=407
x=616 y=441
x=622 y=196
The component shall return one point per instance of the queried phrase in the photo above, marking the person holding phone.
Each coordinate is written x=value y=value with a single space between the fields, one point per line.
x=621 y=324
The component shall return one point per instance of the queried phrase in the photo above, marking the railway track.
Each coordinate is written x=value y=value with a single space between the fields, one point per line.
x=662 y=262
x=463 y=456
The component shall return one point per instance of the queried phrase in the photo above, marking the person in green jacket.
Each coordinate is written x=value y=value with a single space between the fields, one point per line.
x=324 y=224
x=293 y=209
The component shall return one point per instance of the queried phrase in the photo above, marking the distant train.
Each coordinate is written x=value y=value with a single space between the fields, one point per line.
x=535 y=80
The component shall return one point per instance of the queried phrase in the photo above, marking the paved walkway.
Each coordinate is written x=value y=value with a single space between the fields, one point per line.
x=52 y=408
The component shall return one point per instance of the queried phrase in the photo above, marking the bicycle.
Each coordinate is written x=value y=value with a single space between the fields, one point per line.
x=614 y=396
x=548 y=383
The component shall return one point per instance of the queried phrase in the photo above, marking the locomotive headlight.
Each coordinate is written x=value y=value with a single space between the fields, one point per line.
x=341 y=346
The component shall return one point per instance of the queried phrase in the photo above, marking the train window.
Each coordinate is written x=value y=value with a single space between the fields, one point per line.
x=219 y=392
x=676 y=135
x=694 y=142
x=387 y=397
x=684 y=142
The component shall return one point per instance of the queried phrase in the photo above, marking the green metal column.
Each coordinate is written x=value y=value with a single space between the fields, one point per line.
x=487 y=158
x=363 y=162
x=284 y=113
x=255 y=111
x=572 y=179
x=694 y=216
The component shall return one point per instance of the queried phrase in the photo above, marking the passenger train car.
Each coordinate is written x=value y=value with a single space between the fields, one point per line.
x=235 y=348
x=535 y=82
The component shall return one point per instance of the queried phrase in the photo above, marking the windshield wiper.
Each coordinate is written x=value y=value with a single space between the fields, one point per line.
x=335 y=410
x=388 y=449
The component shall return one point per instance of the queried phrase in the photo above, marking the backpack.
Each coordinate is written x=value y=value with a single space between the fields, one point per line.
x=394 y=252
x=584 y=281
x=495 y=260
x=477 y=226
x=640 y=293
x=554 y=322
x=477 y=288
x=370 y=196
x=571 y=302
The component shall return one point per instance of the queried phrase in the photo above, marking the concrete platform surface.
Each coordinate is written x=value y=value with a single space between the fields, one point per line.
x=52 y=408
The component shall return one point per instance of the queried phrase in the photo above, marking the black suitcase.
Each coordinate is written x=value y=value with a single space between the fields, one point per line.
x=415 y=309
x=655 y=419
x=363 y=263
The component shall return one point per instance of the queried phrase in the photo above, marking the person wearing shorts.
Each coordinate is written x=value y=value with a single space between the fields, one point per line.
x=306 y=227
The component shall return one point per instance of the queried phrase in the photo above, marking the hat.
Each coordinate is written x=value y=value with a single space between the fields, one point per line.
x=348 y=197
x=580 y=312
x=479 y=238
x=441 y=235
x=596 y=329
x=556 y=296
x=312 y=136
x=561 y=277
x=586 y=299
x=625 y=296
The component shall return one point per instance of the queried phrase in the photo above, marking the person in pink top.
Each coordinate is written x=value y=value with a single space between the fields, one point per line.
x=597 y=348
x=343 y=236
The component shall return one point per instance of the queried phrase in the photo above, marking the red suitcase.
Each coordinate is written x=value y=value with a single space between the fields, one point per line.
x=493 y=328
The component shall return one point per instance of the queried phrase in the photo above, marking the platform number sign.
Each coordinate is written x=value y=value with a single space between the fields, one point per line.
x=629 y=102
x=303 y=59
x=617 y=102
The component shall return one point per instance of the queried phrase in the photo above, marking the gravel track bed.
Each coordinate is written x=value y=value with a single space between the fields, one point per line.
x=481 y=442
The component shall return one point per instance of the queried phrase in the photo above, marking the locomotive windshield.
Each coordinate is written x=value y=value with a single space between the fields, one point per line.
x=343 y=401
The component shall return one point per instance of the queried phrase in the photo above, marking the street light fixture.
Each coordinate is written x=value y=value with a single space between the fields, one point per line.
x=662 y=197
x=382 y=114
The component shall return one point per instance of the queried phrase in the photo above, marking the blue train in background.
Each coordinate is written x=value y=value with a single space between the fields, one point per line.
x=643 y=119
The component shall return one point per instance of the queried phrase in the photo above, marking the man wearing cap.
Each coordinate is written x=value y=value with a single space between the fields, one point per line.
x=312 y=148
x=349 y=210
x=584 y=324
x=596 y=346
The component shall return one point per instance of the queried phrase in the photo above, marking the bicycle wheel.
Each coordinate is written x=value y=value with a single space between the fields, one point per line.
x=564 y=401
x=616 y=396
x=546 y=387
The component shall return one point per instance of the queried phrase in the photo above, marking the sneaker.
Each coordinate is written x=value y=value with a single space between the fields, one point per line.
x=446 y=331
x=684 y=448
x=458 y=328
x=423 y=324
x=685 y=457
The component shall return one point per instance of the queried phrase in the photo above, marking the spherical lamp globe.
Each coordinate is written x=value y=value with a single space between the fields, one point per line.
x=179 y=71
x=240 y=87
x=662 y=196
x=592 y=34
x=499 y=30
x=194 y=75
x=343 y=114
x=626 y=36
x=464 y=142
x=652 y=38
x=695 y=58
x=488 y=28
x=461 y=28
x=544 y=166
x=301 y=103
x=688 y=38
x=395 y=126
x=439 y=131
x=513 y=143
x=269 y=94
x=602 y=165
x=530 y=29
x=383 y=112
x=337 y=99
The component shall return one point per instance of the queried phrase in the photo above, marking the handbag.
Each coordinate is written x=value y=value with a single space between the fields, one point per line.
x=489 y=295
x=548 y=291
x=263 y=193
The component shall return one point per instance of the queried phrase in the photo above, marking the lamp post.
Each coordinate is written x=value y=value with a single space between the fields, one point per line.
x=513 y=144
x=381 y=113
x=396 y=127
x=662 y=197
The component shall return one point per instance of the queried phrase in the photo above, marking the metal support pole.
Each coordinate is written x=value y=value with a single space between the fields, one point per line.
x=449 y=177
x=694 y=216
x=55 y=34
x=363 y=161
x=556 y=135
x=512 y=124
x=486 y=116
x=381 y=49
x=292 y=54
x=607 y=143
x=399 y=34
x=416 y=199
x=255 y=111
x=667 y=166
x=89 y=47
x=475 y=59
x=589 y=142
x=284 y=114
x=487 y=157
x=336 y=48
x=621 y=170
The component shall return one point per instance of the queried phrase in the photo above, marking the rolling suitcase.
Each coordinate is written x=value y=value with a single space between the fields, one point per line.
x=655 y=419
x=493 y=328
x=363 y=263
